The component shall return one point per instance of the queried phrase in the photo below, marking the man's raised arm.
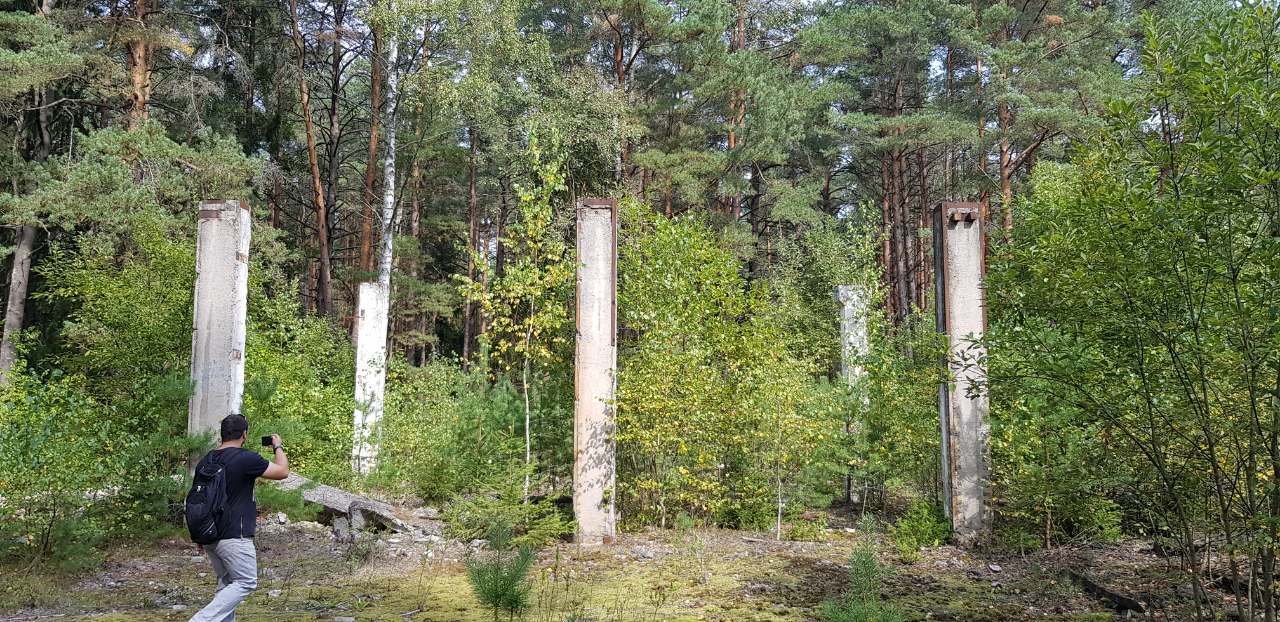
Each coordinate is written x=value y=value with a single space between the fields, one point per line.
x=279 y=467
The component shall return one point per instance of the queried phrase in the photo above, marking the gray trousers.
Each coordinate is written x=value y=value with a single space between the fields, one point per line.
x=235 y=562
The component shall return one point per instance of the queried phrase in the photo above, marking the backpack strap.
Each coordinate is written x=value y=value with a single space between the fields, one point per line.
x=218 y=457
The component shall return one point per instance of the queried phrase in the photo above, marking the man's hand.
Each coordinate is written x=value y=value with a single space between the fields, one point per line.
x=279 y=467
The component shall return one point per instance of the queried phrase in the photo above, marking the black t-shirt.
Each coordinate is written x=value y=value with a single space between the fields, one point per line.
x=240 y=515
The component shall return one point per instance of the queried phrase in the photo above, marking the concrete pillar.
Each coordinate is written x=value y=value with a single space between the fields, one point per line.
x=371 y=374
x=964 y=421
x=595 y=360
x=221 y=304
x=853 y=331
x=854 y=347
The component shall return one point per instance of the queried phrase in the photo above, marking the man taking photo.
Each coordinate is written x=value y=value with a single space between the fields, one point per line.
x=233 y=556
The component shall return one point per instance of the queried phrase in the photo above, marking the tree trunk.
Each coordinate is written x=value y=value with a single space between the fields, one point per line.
x=737 y=103
x=333 y=151
x=620 y=78
x=15 y=307
x=949 y=69
x=500 y=252
x=389 y=170
x=901 y=250
x=921 y=256
x=528 y=413
x=982 y=122
x=886 y=235
x=902 y=246
x=323 y=288
x=375 y=97
x=387 y=233
x=20 y=271
x=371 y=334
x=414 y=352
x=139 y=65
x=1006 y=166
x=469 y=310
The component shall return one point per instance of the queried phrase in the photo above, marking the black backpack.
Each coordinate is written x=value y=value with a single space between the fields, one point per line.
x=206 y=500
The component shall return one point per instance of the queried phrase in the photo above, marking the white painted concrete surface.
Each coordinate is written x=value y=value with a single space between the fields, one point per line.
x=594 y=469
x=221 y=306
x=371 y=374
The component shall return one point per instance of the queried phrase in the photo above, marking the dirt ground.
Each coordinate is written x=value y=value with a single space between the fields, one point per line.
x=702 y=574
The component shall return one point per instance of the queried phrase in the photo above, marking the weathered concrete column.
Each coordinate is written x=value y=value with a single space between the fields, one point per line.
x=221 y=305
x=853 y=331
x=964 y=421
x=595 y=361
x=854 y=347
x=371 y=374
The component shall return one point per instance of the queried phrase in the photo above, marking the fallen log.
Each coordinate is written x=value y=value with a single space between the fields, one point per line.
x=1118 y=601
x=360 y=512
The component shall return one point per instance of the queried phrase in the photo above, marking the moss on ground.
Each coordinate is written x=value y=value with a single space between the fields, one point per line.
x=670 y=576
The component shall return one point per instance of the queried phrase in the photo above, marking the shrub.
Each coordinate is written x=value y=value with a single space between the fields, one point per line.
x=499 y=577
x=72 y=476
x=299 y=383
x=445 y=431
x=862 y=602
x=717 y=418
x=922 y=525
x=803 y=530
x=532 y=523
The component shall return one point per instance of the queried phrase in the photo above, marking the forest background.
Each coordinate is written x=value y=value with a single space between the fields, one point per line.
x=766 y=151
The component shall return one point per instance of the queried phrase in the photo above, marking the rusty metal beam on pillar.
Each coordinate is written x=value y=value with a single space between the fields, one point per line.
x=595 y=364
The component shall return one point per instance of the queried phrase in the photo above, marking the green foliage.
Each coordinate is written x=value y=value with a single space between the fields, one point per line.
x=716 y=417
x=72 y=475
x=499 y=577
x=1134 y=339
x=117 y=180
x=861 y=603
x=923 y=525
x=34 y=52
x=129 y=328
x=524 y=304
x=111 y=448
x=272 y=499
x=133 y=307
x=535 y=522
x=810 y=267
x=858 y=611
x=808 y=530
x=445 y=431
x=299 y=384
x=898 y=443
